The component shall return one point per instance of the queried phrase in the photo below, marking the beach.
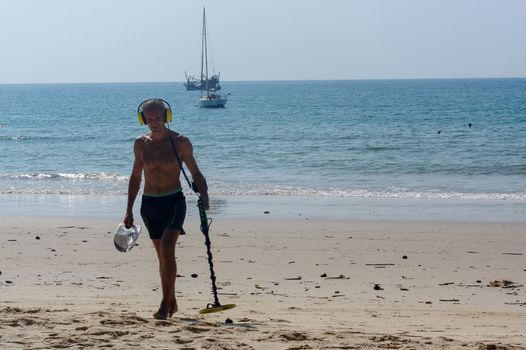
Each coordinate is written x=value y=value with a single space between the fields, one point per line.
x=383 y=214
x=298 y=283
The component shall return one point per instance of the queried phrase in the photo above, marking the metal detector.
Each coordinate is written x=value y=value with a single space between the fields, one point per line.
x=205 y=226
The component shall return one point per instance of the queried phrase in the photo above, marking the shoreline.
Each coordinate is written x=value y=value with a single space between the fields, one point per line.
x=278 y=206
x=297 y=283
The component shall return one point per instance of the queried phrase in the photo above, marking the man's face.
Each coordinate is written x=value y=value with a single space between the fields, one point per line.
x=154 y=118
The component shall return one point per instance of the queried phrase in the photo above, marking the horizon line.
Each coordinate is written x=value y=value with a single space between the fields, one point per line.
x=256 y=81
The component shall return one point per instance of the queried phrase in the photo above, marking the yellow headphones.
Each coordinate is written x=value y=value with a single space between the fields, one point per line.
x=167 y=111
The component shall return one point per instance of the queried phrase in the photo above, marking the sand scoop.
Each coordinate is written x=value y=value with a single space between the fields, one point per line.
x=126 y=238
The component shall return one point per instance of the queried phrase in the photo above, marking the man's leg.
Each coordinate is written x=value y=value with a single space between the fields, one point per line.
x=165 y=248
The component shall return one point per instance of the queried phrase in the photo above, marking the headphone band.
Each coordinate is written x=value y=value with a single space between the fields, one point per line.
x=167 y=110
x=166 y=104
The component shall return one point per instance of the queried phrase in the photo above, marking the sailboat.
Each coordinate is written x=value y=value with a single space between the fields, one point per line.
x=209 y=96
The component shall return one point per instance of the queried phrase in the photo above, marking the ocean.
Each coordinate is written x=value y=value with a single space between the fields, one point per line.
x=451 y=149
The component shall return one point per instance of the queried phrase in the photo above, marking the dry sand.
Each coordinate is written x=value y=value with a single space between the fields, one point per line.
x=297 y=283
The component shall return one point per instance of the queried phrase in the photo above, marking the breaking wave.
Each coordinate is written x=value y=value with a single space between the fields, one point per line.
x=71 y=176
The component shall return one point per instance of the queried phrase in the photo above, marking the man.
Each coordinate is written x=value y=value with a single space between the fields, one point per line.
x=163 y=206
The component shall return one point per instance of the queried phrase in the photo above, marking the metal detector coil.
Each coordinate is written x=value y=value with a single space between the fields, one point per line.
x=210 y=308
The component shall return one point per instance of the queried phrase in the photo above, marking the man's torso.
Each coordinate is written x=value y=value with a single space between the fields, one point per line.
x=160 y=165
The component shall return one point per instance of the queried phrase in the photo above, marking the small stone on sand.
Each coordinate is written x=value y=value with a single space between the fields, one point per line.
x=377 y=287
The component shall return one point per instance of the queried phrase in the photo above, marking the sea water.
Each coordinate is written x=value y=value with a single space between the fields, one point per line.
x=391 y=149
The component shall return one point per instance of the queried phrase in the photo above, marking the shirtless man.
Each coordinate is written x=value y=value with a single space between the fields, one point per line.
x=163 y=206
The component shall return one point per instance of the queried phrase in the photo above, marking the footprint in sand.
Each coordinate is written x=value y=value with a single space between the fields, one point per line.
x=183 y=341
x=195 y=329
x=113 y=334
x=294 y=336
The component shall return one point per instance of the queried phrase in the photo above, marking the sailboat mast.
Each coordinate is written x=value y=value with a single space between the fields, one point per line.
x=206 y=49
x=203 y=50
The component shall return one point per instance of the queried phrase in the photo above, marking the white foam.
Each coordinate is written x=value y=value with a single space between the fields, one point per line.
x=115 y=184
x=73 y=176
x=373 y=194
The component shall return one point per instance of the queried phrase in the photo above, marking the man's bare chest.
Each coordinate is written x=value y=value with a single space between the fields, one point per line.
x=157 y=154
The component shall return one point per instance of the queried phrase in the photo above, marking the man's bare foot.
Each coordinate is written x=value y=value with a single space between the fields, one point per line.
x=173 y=308
x=160 y=316
x=162 y=313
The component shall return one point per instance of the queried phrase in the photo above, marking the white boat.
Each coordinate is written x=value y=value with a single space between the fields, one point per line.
x=209 y=96
x=212 y=100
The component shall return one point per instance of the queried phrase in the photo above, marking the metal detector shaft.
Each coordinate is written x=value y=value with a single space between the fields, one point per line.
x=204 y=229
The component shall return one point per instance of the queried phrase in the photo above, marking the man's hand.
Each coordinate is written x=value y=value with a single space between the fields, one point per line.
x=128 y=220
x=204 y=196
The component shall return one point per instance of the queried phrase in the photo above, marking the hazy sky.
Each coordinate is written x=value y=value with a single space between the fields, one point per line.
x=50 y=41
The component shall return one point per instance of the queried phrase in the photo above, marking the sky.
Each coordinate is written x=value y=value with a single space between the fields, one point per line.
x=74 y=41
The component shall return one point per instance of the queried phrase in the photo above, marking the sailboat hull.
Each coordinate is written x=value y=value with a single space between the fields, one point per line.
x=206 y=102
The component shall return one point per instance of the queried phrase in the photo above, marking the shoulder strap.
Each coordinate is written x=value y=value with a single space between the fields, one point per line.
x=181 y=164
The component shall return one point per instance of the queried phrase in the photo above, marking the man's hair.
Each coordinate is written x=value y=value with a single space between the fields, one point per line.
x=154 y=105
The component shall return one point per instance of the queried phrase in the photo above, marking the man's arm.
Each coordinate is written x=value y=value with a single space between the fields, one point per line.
x=187 y=154
x=135 y=183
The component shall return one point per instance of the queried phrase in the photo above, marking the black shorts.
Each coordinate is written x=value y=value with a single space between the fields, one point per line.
x=163 y=212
